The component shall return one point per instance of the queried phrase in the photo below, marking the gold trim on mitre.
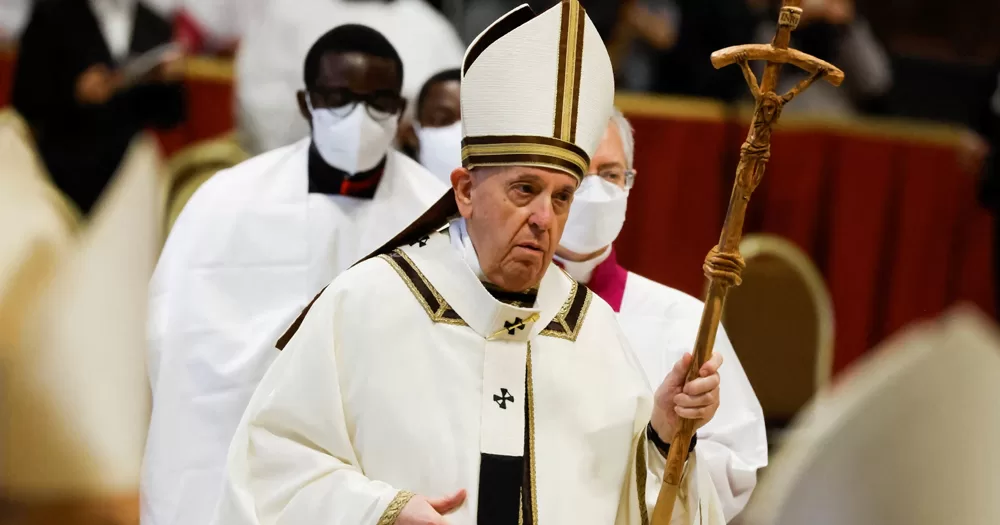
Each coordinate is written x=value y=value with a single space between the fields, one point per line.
x=524 y=150
x=570 y=66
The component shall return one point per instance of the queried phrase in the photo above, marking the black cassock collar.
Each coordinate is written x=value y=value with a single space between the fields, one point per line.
x=326 y=179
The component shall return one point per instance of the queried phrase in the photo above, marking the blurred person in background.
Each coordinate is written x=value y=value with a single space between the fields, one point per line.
x=212 y=27
x=982 y=154
x=425 y=39
x=73 y=87
x=434 y=138
x=703 y=27
x=945 y=64
x=13 y=17
x=944 y=57
x=660 y=322
x=251 y=248
x=833 y=31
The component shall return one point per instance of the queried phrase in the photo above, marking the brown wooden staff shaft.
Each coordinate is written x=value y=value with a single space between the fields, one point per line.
x=724 y=264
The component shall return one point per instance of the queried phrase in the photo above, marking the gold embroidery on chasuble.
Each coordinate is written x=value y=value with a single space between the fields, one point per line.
x=569 y=320
x=565 y=325
x=640 y=478
x=395 y=507
x=436 y=307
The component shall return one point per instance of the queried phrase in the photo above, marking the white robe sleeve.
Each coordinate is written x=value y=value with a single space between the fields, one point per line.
x=733 y=445
x=292 y=460
x=697 y=501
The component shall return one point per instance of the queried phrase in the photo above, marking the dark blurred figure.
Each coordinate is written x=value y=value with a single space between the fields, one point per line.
x=69 y=85
x=945 y=61
x=832 y=30
x=705 y=26
x=944 y=56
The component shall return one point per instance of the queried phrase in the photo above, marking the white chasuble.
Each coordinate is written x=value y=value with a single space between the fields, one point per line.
x=249 y=251
x=408 y=375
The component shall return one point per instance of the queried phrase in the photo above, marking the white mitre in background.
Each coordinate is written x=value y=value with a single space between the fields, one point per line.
x=911 y=435
x=74 y=398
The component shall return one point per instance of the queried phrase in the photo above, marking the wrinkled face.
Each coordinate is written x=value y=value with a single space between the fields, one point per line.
x=515 y=217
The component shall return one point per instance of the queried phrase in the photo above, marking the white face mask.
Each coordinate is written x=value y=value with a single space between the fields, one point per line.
x=440 y=149
x=596 y=216
x=354 y=142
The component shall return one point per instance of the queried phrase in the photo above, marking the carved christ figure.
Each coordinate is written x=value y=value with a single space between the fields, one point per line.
x=757 y=149
x=769 y=104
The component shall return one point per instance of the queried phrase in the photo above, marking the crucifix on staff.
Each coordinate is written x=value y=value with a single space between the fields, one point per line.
x=724 y=264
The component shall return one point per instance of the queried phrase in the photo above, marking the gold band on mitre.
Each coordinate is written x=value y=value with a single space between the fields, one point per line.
x=522 y=150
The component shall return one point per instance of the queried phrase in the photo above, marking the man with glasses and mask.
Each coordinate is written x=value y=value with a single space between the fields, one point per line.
x=251 y=249
x=660 y=322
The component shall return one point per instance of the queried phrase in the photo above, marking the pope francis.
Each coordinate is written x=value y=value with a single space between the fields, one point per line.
x=456 y=375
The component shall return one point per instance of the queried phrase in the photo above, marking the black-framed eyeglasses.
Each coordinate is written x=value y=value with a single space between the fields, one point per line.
x=618 y=176
x=380 y=105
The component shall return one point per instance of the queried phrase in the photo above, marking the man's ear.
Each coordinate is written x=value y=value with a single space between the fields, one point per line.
x=301 y=95
x=461 y=181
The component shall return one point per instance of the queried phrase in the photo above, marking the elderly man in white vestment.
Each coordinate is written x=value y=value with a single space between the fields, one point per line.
x=425 y=39
x=660 y=322
x=250 y=250
x=457 y=376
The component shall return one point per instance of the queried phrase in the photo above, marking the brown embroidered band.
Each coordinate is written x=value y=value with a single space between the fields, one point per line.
x=568 y=322
x=518 y=150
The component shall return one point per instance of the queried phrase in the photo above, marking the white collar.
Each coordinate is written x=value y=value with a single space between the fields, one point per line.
x=461 y=241
x=115 y=18
x=446 y=269
x=582 y=271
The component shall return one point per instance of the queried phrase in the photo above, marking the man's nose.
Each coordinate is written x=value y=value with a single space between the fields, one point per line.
x=542 y=213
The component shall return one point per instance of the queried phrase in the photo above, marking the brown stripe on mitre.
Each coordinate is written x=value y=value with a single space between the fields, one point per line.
x=498 y=30
x=581 y=19
x=536 y=161
x=568 y=72
x=523 y=150
x=560 y=77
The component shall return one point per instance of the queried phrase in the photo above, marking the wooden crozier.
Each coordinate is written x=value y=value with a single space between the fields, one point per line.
x=724 y=264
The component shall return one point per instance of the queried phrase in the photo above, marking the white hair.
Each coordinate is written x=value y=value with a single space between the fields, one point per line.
x=627 y=135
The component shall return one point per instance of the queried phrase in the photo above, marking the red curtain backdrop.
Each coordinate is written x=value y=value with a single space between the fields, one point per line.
x=884 y=210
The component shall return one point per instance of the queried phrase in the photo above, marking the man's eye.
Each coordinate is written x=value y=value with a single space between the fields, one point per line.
x=524 y=188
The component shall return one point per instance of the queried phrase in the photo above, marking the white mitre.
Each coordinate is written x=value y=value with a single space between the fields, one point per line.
x=536 y=91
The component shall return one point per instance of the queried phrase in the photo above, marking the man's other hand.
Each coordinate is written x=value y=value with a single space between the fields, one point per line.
x=697 y=400
x=427 y=511
x=96 y=85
